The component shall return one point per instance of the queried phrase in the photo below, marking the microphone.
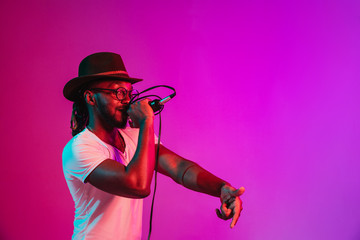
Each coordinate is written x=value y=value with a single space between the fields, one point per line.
x=157 y=104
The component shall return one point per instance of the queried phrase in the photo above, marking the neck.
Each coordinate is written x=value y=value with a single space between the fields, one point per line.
x=104 y=132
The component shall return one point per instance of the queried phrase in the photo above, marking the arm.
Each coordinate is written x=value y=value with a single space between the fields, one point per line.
x=188 y=173
x=133 y=180
x=194 y=177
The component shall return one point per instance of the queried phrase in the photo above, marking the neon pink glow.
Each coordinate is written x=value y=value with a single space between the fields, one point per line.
x=267 y=98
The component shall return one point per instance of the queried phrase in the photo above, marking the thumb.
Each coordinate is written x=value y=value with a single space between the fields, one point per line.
x=239 y=191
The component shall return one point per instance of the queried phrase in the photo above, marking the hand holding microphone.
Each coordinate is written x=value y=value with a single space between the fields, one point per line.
x=140 y=112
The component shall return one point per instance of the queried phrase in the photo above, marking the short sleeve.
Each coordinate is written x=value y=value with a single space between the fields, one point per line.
x=80 y=157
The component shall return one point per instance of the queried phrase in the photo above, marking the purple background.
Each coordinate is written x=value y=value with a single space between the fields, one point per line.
x=267 y=98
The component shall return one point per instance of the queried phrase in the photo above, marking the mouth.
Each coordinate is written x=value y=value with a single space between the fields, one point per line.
x=123 y=109
x=123 y=112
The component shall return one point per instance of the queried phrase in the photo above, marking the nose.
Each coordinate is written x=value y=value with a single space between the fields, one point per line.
x=126 y=100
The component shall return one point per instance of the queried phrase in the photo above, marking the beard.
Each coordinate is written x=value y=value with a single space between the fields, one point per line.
x=122 y=123
x=117 y=119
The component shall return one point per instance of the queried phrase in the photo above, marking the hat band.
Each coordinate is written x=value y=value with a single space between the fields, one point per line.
x=112 y=72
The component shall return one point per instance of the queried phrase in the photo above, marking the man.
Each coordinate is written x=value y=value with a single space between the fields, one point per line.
x=109 y=166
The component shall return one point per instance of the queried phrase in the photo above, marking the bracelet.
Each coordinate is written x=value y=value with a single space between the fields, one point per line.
x=182 y=178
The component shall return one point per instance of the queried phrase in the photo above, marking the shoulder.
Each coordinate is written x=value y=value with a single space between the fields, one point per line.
x=82 y=154
x=85 y=137
x=82 y=146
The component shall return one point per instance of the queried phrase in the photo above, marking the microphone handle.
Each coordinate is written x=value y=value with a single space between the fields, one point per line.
x=156 y=105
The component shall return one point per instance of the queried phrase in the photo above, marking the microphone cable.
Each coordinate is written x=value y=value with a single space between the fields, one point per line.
x=158 y=104
x=155 y=178
x=157 y=108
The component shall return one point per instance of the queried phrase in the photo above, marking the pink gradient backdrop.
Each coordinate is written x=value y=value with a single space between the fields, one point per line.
x=267 y=98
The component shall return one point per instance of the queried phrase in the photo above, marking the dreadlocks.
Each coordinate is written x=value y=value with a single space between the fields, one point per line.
x=79 y=117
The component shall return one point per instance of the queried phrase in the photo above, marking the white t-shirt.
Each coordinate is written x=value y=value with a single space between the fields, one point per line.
x=98 y=214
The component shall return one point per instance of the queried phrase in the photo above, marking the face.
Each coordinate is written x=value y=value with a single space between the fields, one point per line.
x=107 y=108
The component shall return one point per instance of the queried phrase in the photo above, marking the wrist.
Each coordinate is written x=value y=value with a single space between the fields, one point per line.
x=148 y=121
x=224 y=184
x=223 y=187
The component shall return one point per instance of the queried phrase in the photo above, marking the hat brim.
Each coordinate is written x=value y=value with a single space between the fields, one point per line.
x=72 y=88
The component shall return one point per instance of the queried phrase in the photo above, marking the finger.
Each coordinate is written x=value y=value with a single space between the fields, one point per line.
x=232 y=204
x=225 y=211
x=230 y=201
x=236 y=212
x=232 y=207
x=237 y=192
x=218 y=213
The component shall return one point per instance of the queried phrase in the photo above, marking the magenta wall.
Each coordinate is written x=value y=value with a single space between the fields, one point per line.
x=267 y=98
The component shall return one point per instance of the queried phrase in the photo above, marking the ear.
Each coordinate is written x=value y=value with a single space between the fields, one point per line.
x=89 y=97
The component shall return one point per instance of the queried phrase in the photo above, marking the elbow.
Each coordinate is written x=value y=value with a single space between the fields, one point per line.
x=144 y=193
x=141 y=192
x=140 y=188
x=135 y=193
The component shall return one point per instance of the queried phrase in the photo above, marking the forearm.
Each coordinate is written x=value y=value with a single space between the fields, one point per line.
x=188 y=173
x=141 y=167
x=198 y=179
x=133 y=180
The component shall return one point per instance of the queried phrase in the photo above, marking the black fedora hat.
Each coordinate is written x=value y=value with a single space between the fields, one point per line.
x=97 y=67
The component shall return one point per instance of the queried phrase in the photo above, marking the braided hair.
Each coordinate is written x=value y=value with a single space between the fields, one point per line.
x=79 y=117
